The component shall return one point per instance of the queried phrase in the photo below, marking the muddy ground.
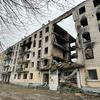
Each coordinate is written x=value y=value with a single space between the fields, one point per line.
x=12 y=92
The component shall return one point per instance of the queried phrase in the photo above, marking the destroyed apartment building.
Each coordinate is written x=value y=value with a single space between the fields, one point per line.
x=45 y=56
x=29 y=61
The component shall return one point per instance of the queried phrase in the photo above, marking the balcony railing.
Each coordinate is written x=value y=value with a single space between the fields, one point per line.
x=6 y=71
x=21 y=70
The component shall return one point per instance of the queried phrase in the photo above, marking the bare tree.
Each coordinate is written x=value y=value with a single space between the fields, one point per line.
x=16 y=12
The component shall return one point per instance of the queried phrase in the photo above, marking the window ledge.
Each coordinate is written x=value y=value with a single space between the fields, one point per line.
x=93 y=80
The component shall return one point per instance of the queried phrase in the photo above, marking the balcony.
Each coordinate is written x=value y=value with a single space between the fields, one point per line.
x=21 y=52
x=27 y=51
x=9 y=51
x=7 y=58
x=25 y=69
x=9 y=70
x=23 y=44
x=26 y=60
x=24 y=51
x=43 y=68
x=6 y=64
x=28 y=42
x=20 y=60
x=4 y=72
x=43 y=64
x=20 y=69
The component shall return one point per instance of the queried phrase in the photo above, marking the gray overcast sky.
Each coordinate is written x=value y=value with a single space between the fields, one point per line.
x=9 y=38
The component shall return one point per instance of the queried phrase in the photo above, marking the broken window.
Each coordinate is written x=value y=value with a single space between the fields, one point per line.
x=60 y=38
x=19 y=76
x=33 y=54
x=40 y=43
x=27 y=56
x=35 y=35
x=38 y=64
x=25 y=76
x=46 y=39
x=30 y=38
x=47 y=29
x=15 y=76
x=45 y=62
x=46 y=50
x=39 y=53
x=40 y=34
x=32 y=64
x=98 y=15
x=84 y=21
x=13 y=68
x=92 y=74
x=86 y=37
x=96 y=2
x=46 y=78
x=26 y=65
x=99 y=26
x=89 y=53
x=29 y=46
x=31 y=75
x=82 y=10
x=24 y=42
x=34 y=43
x=88 y=45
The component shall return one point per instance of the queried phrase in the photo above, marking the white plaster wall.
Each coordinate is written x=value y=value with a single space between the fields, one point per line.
x=95 y=37
x=53 y=81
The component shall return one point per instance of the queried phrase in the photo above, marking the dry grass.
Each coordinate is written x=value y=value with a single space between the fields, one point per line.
x=12 y=92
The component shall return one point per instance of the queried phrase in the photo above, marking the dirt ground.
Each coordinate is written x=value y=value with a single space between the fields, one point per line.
x=12 y=92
